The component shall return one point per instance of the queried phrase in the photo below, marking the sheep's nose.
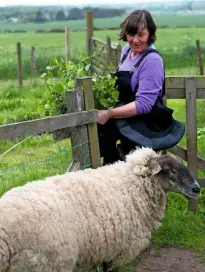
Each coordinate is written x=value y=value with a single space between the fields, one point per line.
x=196 y=189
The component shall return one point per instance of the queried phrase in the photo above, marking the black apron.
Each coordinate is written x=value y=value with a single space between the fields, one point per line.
x=157 y=129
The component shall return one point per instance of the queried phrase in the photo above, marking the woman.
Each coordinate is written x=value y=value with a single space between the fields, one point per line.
x=140 y=118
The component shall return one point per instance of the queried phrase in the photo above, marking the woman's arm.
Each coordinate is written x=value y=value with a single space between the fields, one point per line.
x=151 y=78
x=124 y=111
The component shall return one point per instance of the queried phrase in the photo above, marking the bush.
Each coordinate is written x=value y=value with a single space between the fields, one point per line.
x=61 y=76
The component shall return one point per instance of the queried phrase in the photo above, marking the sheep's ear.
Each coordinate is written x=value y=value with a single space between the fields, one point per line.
x=154 y=166
x=177 y=158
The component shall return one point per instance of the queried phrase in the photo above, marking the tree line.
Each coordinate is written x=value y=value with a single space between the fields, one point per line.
x=60 y=13
x=43 y=14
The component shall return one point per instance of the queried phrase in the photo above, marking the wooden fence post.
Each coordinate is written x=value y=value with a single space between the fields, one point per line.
x=86 y=84
x=200 y=58
x=89 y=20
x=79 y=135
x=109 y=49
x=67 y=43
x=33 y=61
x=119 y=51
x=191 y=121
x=164 y=152
x=109 y=53
x=19 y=63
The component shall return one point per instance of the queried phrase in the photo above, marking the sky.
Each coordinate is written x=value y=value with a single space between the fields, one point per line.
x=76 y=2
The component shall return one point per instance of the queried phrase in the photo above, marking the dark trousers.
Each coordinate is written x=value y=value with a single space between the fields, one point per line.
x=108 y=136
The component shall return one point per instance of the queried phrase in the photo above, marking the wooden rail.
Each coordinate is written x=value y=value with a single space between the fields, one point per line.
x=48 y=124
x=189 y=88
x=104 y=54
x=176 y=86
x=80 y=125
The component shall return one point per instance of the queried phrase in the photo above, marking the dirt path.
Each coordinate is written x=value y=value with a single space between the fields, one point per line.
x=171 y=260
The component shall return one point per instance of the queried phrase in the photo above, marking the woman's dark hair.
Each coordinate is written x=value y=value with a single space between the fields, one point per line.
x=137 y=18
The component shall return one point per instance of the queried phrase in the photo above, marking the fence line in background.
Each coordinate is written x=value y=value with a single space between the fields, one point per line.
x=19 y=61
x=200 y=57
x=67 y=43
x=109 y=53
x=33 y=61
x=33 y=57
x=89 y=31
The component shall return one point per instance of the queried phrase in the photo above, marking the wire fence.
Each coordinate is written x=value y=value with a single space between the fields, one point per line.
x=178 y=60
x=32 y=64
x=182 y=60
x=36 y=159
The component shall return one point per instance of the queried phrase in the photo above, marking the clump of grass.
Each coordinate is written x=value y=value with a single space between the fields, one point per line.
x=181 y=227
x=33 y=159
x=21 y=104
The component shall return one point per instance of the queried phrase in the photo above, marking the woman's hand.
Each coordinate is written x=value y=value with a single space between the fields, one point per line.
x=103 y=116
x=125 y=111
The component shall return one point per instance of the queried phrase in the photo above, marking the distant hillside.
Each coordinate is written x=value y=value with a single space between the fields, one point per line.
x=162 y=20
x=28 y=14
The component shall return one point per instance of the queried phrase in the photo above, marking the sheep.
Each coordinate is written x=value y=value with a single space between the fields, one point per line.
x=69 y=222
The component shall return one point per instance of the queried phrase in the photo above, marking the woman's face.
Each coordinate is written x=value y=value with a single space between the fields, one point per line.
x=138 y=42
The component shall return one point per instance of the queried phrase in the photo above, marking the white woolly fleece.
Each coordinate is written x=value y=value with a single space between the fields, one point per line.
x=74 y=220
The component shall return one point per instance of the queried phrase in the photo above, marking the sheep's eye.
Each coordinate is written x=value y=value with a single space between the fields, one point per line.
x=174 y=172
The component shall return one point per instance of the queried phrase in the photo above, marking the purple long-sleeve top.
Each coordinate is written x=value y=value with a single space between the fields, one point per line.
x=149 y=75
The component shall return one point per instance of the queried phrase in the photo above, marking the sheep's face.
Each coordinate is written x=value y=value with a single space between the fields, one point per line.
x=174 y=176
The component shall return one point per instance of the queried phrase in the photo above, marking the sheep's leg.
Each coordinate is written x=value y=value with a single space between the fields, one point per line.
x=107 y=267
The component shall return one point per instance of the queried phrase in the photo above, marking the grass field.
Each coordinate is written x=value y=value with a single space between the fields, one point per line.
x=162 y=20
x=176 y=45
x=167 y=38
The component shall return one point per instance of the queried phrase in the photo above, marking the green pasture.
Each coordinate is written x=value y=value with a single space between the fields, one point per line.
x=177 y=45
x=162 y=20
x=167 y=39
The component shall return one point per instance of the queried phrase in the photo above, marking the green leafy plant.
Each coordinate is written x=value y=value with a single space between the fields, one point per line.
x=201 y=133
x=60 y=76
x=105 y=93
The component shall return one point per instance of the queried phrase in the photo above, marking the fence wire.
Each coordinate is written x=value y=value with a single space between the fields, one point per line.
x=42 y=57
x=181 y=60
x=55 y=164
